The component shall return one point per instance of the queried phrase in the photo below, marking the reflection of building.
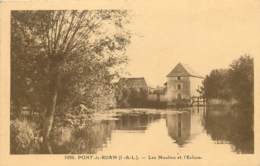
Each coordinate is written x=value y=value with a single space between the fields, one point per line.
x=179 y=127
x=135 y=121
x=182 y=83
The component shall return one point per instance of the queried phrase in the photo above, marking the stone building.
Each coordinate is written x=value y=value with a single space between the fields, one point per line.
x=136 y=83
x=182 y=83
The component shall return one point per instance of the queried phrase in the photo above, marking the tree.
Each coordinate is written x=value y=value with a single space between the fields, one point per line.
x=134 y=97
x=242 y=80
x=64 y=56
x=235 y=82
x=143 y=93
x=216 y=84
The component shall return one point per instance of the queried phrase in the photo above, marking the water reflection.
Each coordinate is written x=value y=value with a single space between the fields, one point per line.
x=234 y=127
x=179 y=126
x=137 y=121
x=87 y=140
x=231 y=128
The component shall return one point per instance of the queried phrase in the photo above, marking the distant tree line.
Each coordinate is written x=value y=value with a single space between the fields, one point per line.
x=235 y=82
x=137 y=98
x=131 y=97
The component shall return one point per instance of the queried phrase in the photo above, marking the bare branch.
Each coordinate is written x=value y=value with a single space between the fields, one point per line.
x=59 y=31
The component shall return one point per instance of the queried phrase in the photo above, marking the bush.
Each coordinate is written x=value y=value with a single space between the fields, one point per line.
x=22 y=136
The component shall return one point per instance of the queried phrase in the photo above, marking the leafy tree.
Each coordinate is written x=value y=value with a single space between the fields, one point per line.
x=242 y=79
x=216 y=84
x=137 y=97
x=122 y=96
x=63 y=57
x=134 y=97
x=143 y=97
x=235 y=82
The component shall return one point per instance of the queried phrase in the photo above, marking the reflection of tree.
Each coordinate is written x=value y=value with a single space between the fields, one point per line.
x=234 y=127
x=135 y=121
x=179 y=127
x=95 y=135
x=87 y=140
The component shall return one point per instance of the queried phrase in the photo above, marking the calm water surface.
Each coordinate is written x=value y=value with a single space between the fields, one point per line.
x=150 y=131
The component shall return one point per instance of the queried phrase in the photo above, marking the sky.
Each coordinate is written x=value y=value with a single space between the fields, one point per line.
x=206 y=34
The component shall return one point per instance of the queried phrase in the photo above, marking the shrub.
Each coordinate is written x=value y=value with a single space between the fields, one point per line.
x=22 y=136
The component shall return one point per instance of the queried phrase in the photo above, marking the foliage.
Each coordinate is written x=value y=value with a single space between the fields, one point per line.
x=242 y=79
x=132 y=97
x=75 y=41
x=216 y=84
x=22 y=136
x=121 y=95
x=83 y=45
x=61 y=58
x=143 y=94
x=235 y=82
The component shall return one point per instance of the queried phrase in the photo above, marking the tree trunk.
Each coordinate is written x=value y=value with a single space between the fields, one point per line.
x=47 y=124
x=51 y=108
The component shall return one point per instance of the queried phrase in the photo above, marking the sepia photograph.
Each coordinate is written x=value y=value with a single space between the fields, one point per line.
x=173 y=83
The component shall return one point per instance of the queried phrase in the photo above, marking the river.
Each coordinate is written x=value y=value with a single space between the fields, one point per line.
x=153 y=131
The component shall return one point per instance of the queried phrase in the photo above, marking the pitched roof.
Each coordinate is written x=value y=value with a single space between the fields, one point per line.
x=134 y=82
x=183 y=70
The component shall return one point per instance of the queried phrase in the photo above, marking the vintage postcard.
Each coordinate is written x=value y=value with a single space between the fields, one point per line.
x=122 y=82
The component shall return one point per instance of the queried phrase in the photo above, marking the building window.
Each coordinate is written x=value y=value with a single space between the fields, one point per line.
x=179 y=96
x=179 y=78
x=179 y=86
